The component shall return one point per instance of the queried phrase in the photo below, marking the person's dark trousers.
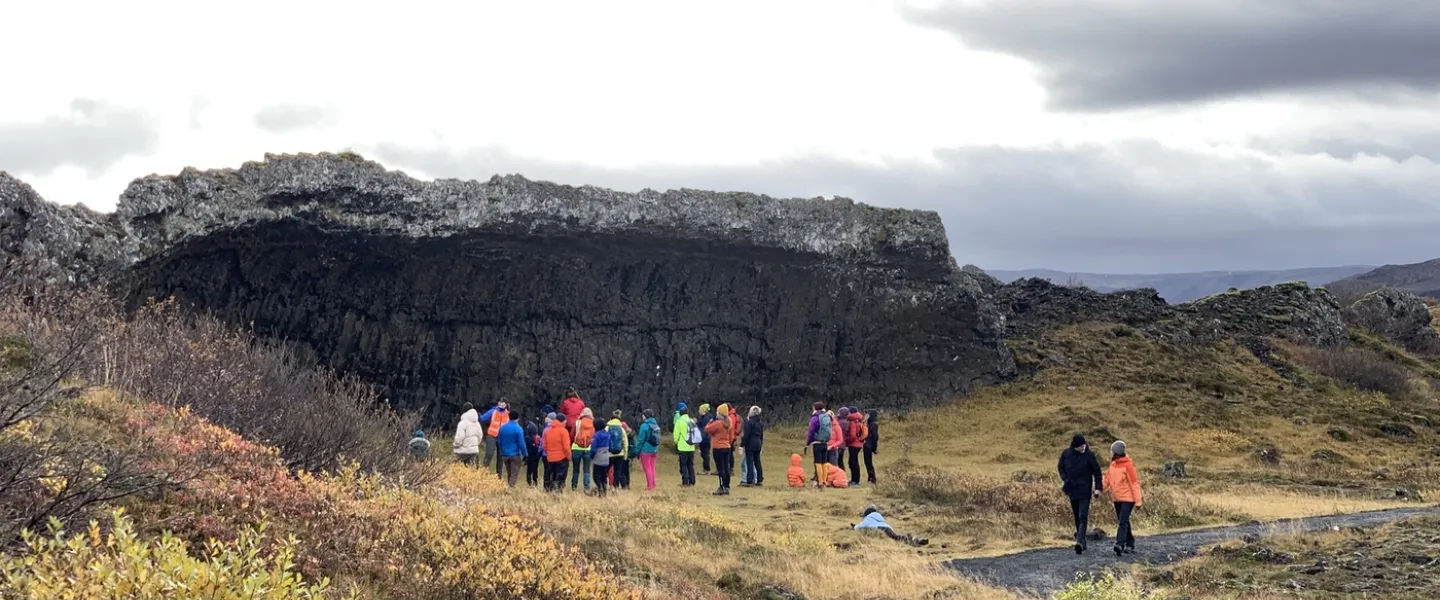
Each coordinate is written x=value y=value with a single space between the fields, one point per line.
x=499 y=463
x=687 y=468
x=557 y=471
x=1124 y=537
x=1080 y=507
x=821 y=457
x=622 y=472
x=601 y=476
x=854 y=466
x=551 y=474
x=704 y=448
x=870 y=465
x=757 y=472
x=513 y=464
x=723 y=463
x=532 y=470
x=839 y=459
x=489 y=443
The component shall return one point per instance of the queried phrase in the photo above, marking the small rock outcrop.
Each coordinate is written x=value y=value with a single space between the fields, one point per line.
x=451 y=291
x=1033 y=305
x=1398 y=315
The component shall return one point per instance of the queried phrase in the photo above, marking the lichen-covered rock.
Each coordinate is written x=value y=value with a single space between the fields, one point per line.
x=450 y=291
x=1293 y=311
x=1398 y=315
x=1033 y=305
x=54 y=244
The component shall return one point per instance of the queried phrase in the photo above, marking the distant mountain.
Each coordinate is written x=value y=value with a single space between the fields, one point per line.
x=1183 y=287
x=1421 y=278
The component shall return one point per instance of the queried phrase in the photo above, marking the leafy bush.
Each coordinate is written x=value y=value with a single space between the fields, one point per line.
x=121 y=565
x=1103 y=587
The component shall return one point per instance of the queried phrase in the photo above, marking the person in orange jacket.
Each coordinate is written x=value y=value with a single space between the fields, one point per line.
x=837 y=437
x=721 y=430
x=796 y=474
x=855 y=435
x=1124 y=486
x=557 y=452
x=836 y=477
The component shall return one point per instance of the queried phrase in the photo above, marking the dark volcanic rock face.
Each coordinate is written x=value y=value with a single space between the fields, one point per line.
x=1398 y=315
x=450 y=291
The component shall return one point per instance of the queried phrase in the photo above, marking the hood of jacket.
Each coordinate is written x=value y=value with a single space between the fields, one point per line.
x=795 y=460
x=470 y=416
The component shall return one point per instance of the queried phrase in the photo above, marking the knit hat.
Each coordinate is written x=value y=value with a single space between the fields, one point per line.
x=819 y=406
x=586 y=412
x=1118 y=448
x=1077 y=441
x=547 y=409
x=844 y=412
x=420 y=433
x=680 y=407
x=704 y=408
x=723 y=411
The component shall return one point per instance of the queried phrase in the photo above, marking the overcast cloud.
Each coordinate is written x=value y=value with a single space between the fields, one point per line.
x=93 y=136
x=1097 y=136
x=1109 y=54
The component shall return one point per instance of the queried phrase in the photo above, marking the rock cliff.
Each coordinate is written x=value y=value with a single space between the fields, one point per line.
x=450 y=291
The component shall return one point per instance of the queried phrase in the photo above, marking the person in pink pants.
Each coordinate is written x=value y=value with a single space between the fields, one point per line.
x=648 y=440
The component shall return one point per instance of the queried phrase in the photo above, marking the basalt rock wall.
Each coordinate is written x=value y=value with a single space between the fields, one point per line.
x=448 y=292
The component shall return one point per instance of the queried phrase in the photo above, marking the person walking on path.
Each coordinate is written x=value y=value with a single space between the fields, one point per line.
x=496 y=418
x=752 y=438
x=1083 y=481
x=647 y=443
x=722 y=440
x=1124 y=485
x=572 y=406
x=703 y=448
x=686 y=435
x=419 y=446
x=619 y=452
x=510 y=445
x=532 y=454
x=582 y=436
x=854 y=441
x=872 y=444
x=600 y=460
x=817 y=440
x=467 y=436
x=557 y=452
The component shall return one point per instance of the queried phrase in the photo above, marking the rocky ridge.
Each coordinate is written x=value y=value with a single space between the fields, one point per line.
x=453 y=291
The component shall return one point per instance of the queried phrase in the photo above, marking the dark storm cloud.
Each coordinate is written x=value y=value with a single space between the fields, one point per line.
x=93 y=136
x=1108 y=54
x=285 y=118
x=1126 y=208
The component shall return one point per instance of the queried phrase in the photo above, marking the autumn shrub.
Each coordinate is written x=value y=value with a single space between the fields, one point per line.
x=971 y=493
x=120 y=564
x=1360 y=368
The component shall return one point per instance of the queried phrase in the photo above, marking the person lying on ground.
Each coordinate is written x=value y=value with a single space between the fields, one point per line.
x=872 y=519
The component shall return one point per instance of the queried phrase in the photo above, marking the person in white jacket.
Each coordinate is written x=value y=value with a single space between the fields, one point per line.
x=468 y=435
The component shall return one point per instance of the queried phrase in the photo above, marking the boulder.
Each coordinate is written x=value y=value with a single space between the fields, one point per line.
x=1399 y=316
x=1174 y=469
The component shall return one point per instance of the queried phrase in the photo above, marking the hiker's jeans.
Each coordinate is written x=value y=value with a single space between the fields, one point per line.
x=752 y=471
x=647 y=464
x=489 y=450
x=580 y=461
x=704 y=449
x=687 y=468
x=724 y=460
x=1080 y=507
x=854 y=466
x=620 y=473
x=1124 y=536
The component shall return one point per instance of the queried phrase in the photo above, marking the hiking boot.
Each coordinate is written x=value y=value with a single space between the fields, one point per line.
x=726 y=490
x=1079 y=549
x=718 y=492
x=1119 y=551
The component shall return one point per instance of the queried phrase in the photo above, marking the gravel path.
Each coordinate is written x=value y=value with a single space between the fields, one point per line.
x=1044 y=571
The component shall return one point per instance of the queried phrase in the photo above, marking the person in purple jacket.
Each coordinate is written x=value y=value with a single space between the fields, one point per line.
x=817 y=441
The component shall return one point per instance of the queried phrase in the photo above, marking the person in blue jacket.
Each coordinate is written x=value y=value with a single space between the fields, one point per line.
x=872 y=519
x=510 y=444
x=600 y=459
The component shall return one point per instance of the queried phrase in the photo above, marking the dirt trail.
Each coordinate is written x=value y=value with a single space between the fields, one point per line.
x=1044 y=571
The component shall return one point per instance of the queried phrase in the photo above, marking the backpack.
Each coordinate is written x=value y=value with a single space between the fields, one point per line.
x=822 y=431
x=864 y=431
x=617 y=439
x=694 y=435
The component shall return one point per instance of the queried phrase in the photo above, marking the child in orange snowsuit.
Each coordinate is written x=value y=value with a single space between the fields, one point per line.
x=796 y=475
x=836 y=477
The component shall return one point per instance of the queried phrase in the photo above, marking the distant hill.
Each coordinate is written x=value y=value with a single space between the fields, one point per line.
x=1421 y=278
x=1183 y=287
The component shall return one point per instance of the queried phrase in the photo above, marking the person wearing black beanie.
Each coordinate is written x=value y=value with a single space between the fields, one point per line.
x=1083 y=481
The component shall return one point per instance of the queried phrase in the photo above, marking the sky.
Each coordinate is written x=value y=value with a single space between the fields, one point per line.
x=1084 y=135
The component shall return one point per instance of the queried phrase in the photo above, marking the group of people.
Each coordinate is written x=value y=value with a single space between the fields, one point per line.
x=569 y=442
x=1083 y=481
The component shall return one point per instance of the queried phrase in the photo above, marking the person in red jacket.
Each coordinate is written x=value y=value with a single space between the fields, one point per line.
x=571 y=407
x=854 y=441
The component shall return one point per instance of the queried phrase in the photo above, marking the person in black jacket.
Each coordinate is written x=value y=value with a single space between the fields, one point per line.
x=1080 y=471
x=872 y=444
x=752 y=438
x=532 y=454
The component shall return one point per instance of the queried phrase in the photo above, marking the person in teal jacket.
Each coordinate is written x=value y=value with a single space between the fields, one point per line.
x=647 y=443
x=684 y=445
